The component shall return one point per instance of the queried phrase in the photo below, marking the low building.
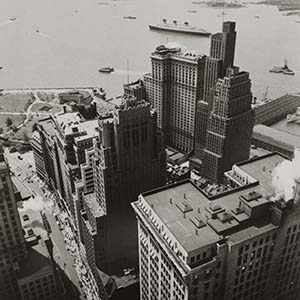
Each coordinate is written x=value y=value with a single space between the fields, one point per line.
x=80 y=97
x=269 y=111
x=275 y=140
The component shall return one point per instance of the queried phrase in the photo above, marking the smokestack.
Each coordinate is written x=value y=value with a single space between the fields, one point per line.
x=297 y=190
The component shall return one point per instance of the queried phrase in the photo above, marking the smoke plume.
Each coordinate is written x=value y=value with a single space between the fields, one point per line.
x=284 y=176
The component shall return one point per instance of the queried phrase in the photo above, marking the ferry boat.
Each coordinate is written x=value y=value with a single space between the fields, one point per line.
x=181 y=28
x=106 y=70
x=284 y=70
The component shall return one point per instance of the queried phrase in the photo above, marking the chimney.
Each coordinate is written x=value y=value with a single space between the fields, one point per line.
x=297 y=191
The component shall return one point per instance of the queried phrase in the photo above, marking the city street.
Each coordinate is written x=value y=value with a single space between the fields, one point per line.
x=66 y=252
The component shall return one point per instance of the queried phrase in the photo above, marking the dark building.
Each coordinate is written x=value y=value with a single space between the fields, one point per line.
x=173 y=88
x=25 y=249
x=222 y=49
x=129 y=158
x=230 y=125
x=12 y=242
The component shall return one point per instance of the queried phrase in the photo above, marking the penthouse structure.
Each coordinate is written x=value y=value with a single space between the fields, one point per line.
x=230 y=125
x=222 y=49
x=173 y=88
x=241 y=244
x=275 y=140
x=129 y=158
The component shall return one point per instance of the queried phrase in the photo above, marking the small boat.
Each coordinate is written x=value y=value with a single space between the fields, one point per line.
x=12 y=19
x=284 y=70
x=37 y=31
x=257 y=17
x=106 y=70
x=1 y=67
x=192 y=11
x=129 y=17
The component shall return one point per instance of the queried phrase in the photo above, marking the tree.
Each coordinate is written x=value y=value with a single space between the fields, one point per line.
x=9 y=122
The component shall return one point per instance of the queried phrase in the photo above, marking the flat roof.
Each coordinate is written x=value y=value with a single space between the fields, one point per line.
x=276 y=137
x=48 y=125
x=91 y=201
x=261 y=168
x=37 y=261
x=181 y=225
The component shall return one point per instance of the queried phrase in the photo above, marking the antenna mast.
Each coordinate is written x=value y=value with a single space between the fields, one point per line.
x=127 y=65
x=223 y=13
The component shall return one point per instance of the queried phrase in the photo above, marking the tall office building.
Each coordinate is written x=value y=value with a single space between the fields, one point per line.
x=173 y=88
x=237 y=245
x=230 y=125
x=12 y=243
x=222 y=49
x=129 y=158
x=27 y=268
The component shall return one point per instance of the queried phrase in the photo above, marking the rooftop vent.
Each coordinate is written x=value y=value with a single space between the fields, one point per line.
x=30 y=232
x=215 y=208
x=184 y=207
x=225 y=216
x=238 y=210
x=25 y=218
x=253 y=195
x=198 y=222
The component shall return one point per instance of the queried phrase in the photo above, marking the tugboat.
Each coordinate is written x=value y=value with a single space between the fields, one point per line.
x=284 y=70
x=106 y=70
x=129 y=17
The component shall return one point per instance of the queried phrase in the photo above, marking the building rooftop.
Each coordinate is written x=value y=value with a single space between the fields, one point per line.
x=261 y=168
x=38 y=261
x=196 y=221
x=277 y=137
x=91 y=201
x=48 y=125
x=91 y=130
x=31 y=219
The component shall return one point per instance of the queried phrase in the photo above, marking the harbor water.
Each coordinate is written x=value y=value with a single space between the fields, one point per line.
x=57 y=43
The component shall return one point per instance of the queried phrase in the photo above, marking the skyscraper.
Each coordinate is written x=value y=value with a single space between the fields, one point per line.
x=12 y=243
x=27 y=267
x=173 y=88
x=129 y=158
x=222 y=49
x=237 y=245
x=230 y=125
